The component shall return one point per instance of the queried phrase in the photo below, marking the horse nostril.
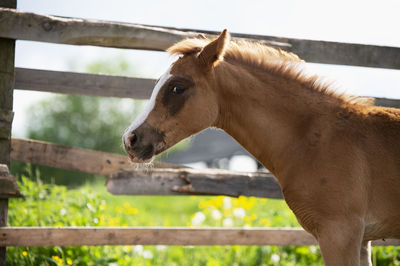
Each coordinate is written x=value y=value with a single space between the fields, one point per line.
x=132 y=139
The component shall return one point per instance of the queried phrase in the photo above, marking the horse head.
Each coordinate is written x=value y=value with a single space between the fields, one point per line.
x=184 y=100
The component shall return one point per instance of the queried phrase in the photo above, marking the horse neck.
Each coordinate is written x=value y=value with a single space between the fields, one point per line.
x=269 y=114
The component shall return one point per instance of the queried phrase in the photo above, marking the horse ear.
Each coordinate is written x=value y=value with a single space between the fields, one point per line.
x=215 y=50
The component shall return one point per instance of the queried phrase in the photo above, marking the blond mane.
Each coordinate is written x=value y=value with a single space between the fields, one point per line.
x=273 y=60
x=250 y=52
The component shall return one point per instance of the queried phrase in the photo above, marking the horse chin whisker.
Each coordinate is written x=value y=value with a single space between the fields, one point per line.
x=147 y=164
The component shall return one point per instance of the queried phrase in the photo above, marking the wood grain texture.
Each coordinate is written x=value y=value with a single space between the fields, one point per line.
x=70 y=158
x=193 y=182
x=159 y=179
x=387 y=102
x=35 y=27
x=89 y=236
x=7 y=55
x=30 y=26
x=31 y=236
x=83 y=84
x=325 y=52
x=8 y=185
x=6 y=118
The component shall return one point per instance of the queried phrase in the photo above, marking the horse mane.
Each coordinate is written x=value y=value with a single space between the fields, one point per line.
x=273 y=60
x=245 y=51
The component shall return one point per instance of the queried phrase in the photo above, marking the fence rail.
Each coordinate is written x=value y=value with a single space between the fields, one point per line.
x=79 y=236
x=125 y=178
x=30 y=26
x=83 y=84
x=194 y=182
x=70 y=158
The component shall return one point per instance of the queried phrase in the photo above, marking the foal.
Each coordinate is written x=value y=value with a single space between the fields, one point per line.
x=337 y=159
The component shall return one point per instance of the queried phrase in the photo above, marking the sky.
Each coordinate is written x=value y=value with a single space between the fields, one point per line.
x=366 y=22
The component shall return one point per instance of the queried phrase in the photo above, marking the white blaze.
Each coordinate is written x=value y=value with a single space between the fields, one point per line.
x=150 y=105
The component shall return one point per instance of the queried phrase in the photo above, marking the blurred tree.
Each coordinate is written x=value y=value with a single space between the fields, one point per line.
x=81 y=121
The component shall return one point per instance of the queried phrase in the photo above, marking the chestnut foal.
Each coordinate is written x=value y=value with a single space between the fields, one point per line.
x=336 y=158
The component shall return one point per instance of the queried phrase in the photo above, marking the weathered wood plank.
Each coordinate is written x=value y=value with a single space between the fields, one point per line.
x=8 y=185
x=59 y=156
x=324 y=52
x=7 y=52
x=194 y=182
x=31 y=236
x=387 y=102
x=159 y=179
x=83 y=84
x=90 y=236
x=7 y=55
x=35 y=27
x=102 y=85
x=3 y=222
x=6 y=118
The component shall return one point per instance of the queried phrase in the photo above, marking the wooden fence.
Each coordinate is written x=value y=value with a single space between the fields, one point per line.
x=163 y=179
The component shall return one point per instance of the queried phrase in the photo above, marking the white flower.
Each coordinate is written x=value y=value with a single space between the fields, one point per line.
x=216 y=214
x=161 y=248
x=275 y=258
x=63 y=211
x=198 y=218
x=147 y=254
x=89 y=206
x=138 y=249
x=227 y=222
x=227 y=203
x=313 y=249
x=239 y=212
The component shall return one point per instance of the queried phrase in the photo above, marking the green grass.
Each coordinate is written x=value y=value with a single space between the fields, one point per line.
x=92 y=205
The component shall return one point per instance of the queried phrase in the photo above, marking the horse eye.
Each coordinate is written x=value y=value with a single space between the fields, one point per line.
x=178 y=90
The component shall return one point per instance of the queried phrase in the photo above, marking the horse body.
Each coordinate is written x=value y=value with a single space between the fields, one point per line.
x=337 y=159
x=383 y=154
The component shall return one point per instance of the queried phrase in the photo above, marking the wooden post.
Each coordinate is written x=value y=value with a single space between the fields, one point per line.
x=7 y=51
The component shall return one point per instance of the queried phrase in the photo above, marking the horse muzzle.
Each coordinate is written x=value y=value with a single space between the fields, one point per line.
x=142 y=143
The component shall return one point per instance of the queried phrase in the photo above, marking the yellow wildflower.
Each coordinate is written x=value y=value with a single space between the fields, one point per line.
x=115 y=221
x=103 y=206
x=265 y=222
x=263 y=200
x=127 y=248
x=132 y=211
x=245 y=202
x=58 y=260
x=24 y=253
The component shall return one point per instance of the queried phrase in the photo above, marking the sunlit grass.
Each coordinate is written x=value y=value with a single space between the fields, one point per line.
x=92 y=205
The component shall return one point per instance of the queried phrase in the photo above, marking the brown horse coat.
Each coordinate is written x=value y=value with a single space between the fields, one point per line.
x=336 y=158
